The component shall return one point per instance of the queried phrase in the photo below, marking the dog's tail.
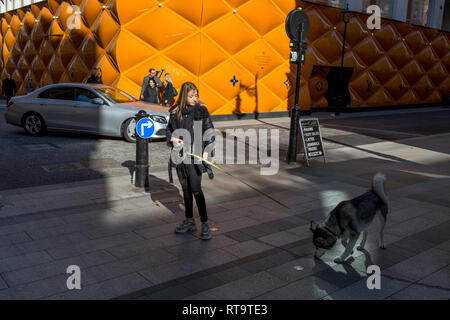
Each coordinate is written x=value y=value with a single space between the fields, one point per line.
x=378 y=187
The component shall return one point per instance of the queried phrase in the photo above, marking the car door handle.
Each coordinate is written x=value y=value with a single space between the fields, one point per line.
x=42 y=104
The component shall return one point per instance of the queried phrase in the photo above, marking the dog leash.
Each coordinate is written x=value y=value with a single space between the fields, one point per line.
x=249 y=185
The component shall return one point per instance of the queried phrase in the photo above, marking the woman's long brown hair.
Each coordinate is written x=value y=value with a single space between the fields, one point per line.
x=182 y=98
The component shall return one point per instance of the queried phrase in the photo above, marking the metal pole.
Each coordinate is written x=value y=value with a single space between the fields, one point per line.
x=341 y=74
x=141 y=155
x=295 y=115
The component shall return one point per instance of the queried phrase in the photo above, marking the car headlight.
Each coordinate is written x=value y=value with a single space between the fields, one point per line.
x=159 y=119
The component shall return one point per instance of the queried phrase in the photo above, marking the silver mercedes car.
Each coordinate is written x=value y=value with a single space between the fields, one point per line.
x=83 y=108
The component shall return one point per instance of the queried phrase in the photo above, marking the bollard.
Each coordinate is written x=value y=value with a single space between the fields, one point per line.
x=141 y=170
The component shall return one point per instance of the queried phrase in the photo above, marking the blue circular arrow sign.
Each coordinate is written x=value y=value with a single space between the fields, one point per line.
x=145 y=128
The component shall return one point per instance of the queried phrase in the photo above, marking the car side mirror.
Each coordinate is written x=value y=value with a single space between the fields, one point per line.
x=97 y=101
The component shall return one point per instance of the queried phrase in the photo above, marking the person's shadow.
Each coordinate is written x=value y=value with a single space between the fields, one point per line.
x=165 y=194
x=162 y=193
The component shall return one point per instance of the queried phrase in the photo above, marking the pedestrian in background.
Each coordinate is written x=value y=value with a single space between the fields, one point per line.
x=9 y=88
x=152 y=74
x=29 y=86
x=95 y=76
x=190 y=108
x=151 y=93
x=169 y=92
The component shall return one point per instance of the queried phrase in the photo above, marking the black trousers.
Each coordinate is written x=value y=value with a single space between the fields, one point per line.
x=191 y=182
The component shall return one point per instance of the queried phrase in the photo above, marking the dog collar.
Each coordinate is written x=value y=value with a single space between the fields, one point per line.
x=331 y=231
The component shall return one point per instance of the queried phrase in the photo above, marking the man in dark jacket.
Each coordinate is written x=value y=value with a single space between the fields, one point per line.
x=151 y=74
x=95 y=77
x=9 y=88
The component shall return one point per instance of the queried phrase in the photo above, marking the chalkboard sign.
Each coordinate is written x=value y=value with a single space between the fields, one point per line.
x=311 y=138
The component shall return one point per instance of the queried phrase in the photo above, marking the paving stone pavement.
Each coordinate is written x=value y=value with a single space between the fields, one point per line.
x=122 y=238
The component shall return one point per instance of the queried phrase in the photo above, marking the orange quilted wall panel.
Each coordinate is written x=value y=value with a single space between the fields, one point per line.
x=236 y=51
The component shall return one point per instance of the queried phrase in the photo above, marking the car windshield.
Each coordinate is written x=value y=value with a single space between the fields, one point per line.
x=116 y=95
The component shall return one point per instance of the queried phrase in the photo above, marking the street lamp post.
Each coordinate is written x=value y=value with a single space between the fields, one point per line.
x=297 y=28
x=346 y=15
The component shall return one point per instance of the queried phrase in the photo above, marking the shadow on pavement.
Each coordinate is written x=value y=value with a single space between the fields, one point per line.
x=165 y=194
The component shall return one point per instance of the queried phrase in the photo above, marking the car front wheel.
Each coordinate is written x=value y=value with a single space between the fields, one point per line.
x=129 y=130
x=34 y=124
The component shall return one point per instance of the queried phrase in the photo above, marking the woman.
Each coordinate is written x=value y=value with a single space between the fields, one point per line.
x=169 y=92
x=151 y=93
x=190 y=108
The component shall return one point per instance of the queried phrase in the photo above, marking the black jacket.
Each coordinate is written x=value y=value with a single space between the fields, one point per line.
x=169 y=93
x=9 y=87
x=151 y=95
x=191 y=114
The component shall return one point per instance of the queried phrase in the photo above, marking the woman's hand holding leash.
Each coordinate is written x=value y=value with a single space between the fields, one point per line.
x=176 y=142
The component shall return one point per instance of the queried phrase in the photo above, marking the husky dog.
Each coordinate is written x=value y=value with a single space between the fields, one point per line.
x=350 y=218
